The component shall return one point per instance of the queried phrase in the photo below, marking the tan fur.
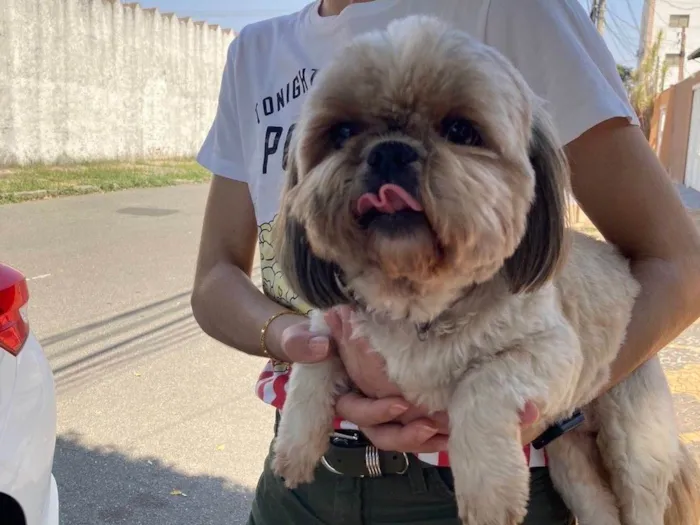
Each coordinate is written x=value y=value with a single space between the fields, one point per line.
x=683 y=505
x=518 y=308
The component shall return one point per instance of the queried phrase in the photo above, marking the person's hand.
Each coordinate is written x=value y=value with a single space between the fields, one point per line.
x=384 y=416
x=413 y=430
x=289 y=339
x=530 y=424
x=387 y=419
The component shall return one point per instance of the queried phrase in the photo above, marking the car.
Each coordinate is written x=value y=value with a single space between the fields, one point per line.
x=28 y=490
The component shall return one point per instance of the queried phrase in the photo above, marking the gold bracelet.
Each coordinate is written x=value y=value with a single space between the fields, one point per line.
x=263 y=333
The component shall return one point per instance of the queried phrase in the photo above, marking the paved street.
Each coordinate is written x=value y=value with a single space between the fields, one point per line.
x=147 y=403
x=681 y=361
x=157 y=423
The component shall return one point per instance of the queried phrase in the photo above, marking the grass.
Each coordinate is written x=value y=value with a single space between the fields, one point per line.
x=18 y=184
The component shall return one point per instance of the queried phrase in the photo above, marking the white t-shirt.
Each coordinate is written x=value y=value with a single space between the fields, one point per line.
x=272 y=64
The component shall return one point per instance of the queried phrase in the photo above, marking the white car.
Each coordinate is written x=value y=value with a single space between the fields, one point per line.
x=28 y=492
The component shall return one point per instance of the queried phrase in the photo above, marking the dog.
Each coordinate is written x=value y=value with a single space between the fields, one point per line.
x=426 y=187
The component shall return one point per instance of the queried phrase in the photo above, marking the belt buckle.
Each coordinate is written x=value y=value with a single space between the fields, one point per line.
x=372 y=462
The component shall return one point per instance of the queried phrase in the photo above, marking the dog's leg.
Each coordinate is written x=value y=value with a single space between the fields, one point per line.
x=486 y=453
x=307 y=417
x=491 y=476
x=638 y=443
x=579 y=476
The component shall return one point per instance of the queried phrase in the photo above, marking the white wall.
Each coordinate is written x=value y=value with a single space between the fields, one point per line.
x=94 y=79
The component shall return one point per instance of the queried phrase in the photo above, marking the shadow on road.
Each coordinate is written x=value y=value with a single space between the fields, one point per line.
x=104 y=486
x=97 y=349
x=129 y=314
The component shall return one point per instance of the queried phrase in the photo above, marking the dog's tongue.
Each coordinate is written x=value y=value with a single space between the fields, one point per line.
x=389 y=199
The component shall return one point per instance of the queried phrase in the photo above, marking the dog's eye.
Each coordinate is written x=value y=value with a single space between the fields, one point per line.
x=461 y=131
x=341 y=133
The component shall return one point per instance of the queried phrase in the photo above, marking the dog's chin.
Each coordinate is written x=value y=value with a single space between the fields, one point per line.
x=402 y=245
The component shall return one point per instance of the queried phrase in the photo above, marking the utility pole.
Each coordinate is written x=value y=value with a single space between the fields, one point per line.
x=600 y=21
x=597 y=14
x=594 y=12
x=681 y=23
x=681 y=58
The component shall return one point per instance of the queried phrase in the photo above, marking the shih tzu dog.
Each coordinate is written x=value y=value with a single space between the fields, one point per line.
x=426 y=187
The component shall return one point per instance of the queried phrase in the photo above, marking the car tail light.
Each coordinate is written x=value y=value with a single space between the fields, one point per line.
x=14 y=296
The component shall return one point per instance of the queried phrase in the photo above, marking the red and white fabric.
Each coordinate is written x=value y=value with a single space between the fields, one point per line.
x=272 y=389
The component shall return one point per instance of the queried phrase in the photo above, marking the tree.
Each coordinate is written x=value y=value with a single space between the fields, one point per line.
x=625 y=75
x=646 y=82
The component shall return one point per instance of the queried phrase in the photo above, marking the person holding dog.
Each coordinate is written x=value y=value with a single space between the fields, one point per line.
x=615 y=177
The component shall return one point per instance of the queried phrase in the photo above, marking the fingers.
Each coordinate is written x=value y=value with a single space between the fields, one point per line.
x=439 y=419
x=335 y=324
x=426 y=435
x=442 y=421
x=529 y=434
x=338 y=320
x=375 y=417
x=529 y=414
x=301 y=346
x=367 y=412
x=418 y=436
x=530 y=426
x=344 y=312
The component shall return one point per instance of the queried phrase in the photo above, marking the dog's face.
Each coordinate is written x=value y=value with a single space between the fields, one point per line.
x=420 y=167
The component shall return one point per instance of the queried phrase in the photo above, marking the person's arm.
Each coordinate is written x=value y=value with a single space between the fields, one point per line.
x=624 y=190
x=626 y=193
x=225 y=302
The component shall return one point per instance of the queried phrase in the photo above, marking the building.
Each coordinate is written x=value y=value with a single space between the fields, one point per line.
x=675 y=131
x=679 y=22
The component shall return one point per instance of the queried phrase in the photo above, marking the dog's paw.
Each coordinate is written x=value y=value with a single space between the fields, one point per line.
x=296 y=459
x=296 y=467
x=493 y=500
x=473 y=513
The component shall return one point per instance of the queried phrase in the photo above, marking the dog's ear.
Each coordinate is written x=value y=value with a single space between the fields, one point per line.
x=316 y=281
x=543 y=246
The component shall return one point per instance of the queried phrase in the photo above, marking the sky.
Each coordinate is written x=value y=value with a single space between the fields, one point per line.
x=621 y=33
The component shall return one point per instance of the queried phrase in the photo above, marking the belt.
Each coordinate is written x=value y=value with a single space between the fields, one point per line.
x=351 y=454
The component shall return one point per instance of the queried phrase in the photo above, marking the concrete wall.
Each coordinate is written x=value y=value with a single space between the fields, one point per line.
x=96 y=79
x=669 y=135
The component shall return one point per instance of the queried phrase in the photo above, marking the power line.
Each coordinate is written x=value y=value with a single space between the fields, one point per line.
x=621 y=46
x=611 y=24
x=633 y=17
x=617 y=44
x=619 y=19
x=692 y=7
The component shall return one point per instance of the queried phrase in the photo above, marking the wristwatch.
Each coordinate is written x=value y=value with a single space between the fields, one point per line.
x=558 y=429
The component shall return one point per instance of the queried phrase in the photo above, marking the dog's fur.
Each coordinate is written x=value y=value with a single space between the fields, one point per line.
x=481 y=301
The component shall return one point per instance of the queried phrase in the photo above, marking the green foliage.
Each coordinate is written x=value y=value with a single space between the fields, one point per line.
x=625 y=75
x=646 y=82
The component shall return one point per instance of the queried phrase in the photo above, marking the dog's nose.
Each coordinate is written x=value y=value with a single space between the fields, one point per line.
x=390 y=156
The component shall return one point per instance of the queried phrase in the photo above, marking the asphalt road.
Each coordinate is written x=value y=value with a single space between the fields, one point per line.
x=157 y=423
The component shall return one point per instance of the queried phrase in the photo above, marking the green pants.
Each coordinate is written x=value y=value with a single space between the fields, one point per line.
x=423 y=496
